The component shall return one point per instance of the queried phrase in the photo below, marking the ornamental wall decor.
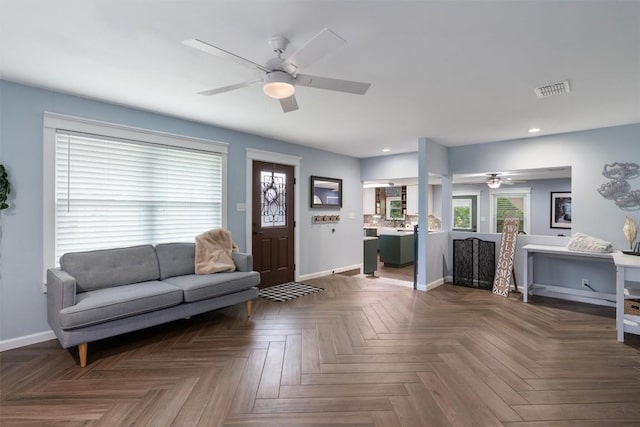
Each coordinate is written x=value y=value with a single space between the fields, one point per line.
x=5 y=188
x=618 y=188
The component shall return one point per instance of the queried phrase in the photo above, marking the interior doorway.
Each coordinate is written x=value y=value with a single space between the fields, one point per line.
x=272 y=222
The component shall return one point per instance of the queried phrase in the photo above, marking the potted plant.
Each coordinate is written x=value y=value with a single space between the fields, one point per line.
x=5 y=188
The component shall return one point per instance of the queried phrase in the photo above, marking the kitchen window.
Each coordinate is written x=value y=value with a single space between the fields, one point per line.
x=394 y=208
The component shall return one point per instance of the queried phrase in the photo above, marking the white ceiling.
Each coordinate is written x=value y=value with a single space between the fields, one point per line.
x=458 y=72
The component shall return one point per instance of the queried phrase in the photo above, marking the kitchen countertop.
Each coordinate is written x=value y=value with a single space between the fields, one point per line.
x=394 y=231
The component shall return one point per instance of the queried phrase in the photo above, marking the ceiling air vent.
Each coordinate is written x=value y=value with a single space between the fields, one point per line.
x=552 y=89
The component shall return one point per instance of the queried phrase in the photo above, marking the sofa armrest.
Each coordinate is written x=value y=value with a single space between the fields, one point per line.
x=61 y=289
x=243 y=262
x=61 y=293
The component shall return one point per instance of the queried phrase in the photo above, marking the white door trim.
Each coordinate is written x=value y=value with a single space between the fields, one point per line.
x=284 y=159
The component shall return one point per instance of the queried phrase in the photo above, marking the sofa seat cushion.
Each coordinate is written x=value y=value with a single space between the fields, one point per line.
x=103 y=305
x=197 y=287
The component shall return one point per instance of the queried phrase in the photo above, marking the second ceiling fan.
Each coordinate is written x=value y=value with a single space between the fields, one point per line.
x=495 y=180
x=281 y=75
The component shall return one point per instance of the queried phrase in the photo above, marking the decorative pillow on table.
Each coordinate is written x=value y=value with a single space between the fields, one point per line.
x=584 y=243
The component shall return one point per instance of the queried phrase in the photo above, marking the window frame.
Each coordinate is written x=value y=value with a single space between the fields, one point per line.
x=54 y=121
x=494 y=194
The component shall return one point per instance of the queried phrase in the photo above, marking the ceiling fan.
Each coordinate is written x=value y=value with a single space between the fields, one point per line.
x=281 y=75
x=494 y=181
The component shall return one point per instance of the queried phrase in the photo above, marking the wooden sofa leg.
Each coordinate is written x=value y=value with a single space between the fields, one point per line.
x=82 y=350
x=248 y=305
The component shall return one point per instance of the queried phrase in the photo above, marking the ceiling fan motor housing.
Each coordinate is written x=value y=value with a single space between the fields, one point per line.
x=278 y=44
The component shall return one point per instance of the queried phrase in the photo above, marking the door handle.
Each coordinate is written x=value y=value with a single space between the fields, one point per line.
x=257 y=232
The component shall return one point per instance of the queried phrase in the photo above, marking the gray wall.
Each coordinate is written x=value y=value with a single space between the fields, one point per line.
x=586 y=152
x=389 y=167
x=540 y=203
x=22 y=303
x=550 y=270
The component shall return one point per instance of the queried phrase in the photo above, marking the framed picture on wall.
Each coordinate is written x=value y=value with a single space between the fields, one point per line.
x=560 y=210
x=326 y=192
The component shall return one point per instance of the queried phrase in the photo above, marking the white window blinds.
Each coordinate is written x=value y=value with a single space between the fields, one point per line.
x=115 y=193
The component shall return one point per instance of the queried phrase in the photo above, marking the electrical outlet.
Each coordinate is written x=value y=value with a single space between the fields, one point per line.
x=585 y=283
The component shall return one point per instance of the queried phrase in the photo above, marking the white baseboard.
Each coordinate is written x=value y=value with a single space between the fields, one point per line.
x=26 y=340
x=571 y=294
x=433 y=284
x=420 y=287
x=329 y=272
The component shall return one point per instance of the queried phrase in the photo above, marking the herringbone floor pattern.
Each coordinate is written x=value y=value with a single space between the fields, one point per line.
x=361 y=353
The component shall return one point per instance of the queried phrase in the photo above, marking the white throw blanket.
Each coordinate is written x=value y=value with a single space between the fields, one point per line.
x=585 y=243
x=213 y=252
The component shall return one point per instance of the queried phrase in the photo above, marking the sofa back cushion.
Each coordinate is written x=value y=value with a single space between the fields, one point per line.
x=176 y=259
x=111 y=267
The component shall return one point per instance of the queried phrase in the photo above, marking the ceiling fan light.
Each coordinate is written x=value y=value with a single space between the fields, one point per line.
x=493 y=183
x=278 y=85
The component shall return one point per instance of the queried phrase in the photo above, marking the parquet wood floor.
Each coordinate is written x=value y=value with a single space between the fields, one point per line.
x=361 y=353
x=399 y=273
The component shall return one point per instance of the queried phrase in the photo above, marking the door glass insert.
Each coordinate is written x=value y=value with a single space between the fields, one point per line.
x=273 y=199
x=462 y=213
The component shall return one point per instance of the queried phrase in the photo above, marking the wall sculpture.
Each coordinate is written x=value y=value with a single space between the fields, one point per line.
x=618 y=188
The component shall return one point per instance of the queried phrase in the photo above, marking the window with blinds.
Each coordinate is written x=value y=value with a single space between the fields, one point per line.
x=512 y=206
x=114 y=192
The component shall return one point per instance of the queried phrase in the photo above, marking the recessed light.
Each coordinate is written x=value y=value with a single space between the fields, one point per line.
x=534 y=130
x=386 y=150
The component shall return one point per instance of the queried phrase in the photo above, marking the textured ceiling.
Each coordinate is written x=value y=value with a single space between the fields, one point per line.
x=458 y=72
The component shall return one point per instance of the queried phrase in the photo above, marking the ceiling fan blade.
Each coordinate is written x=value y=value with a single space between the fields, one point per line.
x=320 y=45
x=348 y=86
x=217 y=51
x=289 y=104
x=229 y=88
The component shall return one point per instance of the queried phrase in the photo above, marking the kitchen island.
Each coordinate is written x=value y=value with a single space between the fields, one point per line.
x=397 y=248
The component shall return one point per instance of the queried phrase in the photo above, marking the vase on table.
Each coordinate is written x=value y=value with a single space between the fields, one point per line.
x=630 y=231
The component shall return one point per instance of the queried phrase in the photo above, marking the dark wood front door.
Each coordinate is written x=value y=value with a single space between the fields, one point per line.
x=272 y=223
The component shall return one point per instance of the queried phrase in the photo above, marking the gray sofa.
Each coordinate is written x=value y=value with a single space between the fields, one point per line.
x=100 y=294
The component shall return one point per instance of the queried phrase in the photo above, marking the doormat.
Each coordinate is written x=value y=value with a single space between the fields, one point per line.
x=287 y=291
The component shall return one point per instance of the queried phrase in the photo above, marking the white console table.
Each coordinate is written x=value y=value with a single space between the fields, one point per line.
x=627 y=269
x=559 y=291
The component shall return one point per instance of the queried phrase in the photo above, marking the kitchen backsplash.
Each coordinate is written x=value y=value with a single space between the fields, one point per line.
x=408 y=222
x=376 y=221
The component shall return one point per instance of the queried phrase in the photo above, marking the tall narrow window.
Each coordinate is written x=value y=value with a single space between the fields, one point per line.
x=112 y=192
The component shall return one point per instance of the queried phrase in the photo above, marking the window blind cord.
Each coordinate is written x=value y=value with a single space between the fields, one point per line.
x=68 y=175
